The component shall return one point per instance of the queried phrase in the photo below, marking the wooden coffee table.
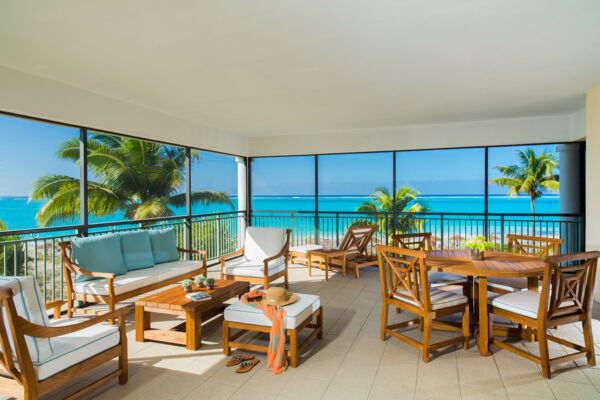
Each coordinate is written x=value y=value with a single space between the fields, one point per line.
x=173 y=301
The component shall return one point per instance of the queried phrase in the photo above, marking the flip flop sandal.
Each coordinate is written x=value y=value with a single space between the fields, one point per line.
x=246 y=366
x=235 y=360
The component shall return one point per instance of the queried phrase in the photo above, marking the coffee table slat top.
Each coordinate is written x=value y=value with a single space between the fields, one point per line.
x=494 y=264
x=174 y=298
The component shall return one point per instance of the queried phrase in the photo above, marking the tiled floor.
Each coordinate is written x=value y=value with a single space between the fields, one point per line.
x=349 y=363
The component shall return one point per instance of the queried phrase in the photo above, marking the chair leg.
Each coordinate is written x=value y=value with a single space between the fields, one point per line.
x=426 y=338
x=544 y=355
x=421 y=324
x=285 y=278
x=294 y=348
x=589 y=341
x=111 y=308
x=465 y=327
x=384 y=319
x=266 y=284
x=70 y=305
x=226 y=348
x=320 y=324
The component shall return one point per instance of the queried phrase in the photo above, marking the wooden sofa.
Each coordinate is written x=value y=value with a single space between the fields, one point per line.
x=111 y=289
x=39 y=354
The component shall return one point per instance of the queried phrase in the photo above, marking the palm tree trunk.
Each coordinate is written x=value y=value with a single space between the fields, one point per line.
x=532 y=216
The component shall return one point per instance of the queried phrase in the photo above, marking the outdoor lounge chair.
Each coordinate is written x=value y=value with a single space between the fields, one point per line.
x=263 y=258
x=39 y=355
x=355 y=243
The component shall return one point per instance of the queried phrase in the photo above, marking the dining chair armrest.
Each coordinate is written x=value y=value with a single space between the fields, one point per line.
x=35 y=330
x=56 y=305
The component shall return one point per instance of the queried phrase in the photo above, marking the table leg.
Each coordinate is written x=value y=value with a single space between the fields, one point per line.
x=326 y=268
x=142 y=323
x=309 y=265
x=193 y=330
x=344 y=265
x=483 y=317
x=533 y=283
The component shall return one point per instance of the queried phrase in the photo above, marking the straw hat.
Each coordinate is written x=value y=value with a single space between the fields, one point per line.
x=278 y=296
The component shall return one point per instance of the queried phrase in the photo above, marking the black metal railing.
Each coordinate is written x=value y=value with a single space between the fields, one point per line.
x=449 y=230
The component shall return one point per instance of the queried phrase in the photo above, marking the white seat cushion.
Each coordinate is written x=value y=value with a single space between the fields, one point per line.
x=437 y=279
x=30 y=305
x=76 y=347
x=525 y=302
x=261 y=243
x=139 y=278
x=507 y=284
x=306 y=248
x=439 y=298
x=244 y=267
x=296 y=313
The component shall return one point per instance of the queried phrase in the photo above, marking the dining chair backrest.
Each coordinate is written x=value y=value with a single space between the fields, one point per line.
x=403 y=275
x=568 y=285
x=414 y=241
x=357 y=238
x=534 y=245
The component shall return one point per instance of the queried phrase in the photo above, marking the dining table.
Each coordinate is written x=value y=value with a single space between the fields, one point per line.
x=493 y=264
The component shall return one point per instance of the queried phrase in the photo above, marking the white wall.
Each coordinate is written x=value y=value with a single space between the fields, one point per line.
x=592 y=203
x=544 y=129
x=31 y=95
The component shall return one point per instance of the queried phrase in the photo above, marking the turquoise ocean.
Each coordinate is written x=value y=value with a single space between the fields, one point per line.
x=18 y=213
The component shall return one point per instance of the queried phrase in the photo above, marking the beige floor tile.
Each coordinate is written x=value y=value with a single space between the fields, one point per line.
x=211 y=391
x=265 y=380
x=305 y=388
x=172 y=385
x=573 y=391
x=341 y=389
x=492 y=392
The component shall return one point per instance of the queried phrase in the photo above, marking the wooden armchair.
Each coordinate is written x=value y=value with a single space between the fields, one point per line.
x=404 y=285
x=355 y=243
x=263 y=258
x=566 y=297
x=536 y=246
x=39 y=355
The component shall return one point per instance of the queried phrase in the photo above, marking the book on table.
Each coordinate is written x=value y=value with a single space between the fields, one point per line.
x=198 y=296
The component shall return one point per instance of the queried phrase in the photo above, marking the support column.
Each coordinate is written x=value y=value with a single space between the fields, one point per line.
x=570 y=192
x=592 y=203
x=241 y=197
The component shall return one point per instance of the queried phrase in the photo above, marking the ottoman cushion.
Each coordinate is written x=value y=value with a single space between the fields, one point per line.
x=296 y=313
x=306 y=248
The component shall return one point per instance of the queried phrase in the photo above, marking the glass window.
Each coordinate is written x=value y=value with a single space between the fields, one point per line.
x=346 y=181
x=131 y=179
x=214 y=182
x=451 y=180
x=283 y=183
x=510 y=166
x=39 y=174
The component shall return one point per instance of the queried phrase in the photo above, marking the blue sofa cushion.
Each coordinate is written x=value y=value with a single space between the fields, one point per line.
x=98 y=254
x=164 y=245
x=137 y=250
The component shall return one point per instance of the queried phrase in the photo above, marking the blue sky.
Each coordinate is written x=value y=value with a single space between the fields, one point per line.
x=29 y=150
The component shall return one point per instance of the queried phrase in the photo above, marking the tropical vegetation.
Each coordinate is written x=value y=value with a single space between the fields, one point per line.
x=382 y=202
x=142 y=179
x=533 y=175
x=11 y=254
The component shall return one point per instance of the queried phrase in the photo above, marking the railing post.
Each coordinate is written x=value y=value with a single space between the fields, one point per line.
x=83 y=183
x=292 y=214
x=188 y=201
x=337 y=229
x=502 y=232
x=442 y=230
x=218 y=237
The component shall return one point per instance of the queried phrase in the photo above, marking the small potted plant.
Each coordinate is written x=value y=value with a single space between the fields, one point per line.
x=200 y=280
x=187 y=285
x=478 y=245
x=210 y=283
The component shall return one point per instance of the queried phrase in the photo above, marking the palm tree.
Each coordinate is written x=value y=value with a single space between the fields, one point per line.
x=382 y=201
x=532 y=175
x=142 y=179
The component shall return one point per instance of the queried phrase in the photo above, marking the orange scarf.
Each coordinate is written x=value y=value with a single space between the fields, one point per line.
x=276 y=358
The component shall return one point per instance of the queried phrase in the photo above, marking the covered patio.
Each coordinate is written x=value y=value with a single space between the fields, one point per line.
x=439 y=132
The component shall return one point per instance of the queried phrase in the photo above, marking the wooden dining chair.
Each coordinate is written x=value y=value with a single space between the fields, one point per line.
x=422 y=242
x=566 y=297
x=405 y=285
x=537 y=246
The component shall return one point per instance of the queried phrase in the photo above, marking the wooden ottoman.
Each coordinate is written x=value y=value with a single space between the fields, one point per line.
x=306 y=312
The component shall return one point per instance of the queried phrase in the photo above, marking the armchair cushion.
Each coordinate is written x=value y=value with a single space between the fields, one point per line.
x=261 y=243
x=100 y=253
x=437 y=279
x=439 y=298
x=164 y=245
x=137 y=250
x=75 y=347
x=244 y=267
x=29 y=304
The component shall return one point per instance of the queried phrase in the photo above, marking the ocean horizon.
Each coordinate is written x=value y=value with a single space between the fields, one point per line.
x=18 y=213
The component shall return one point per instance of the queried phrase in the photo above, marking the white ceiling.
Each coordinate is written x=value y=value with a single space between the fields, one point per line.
x=276 y=67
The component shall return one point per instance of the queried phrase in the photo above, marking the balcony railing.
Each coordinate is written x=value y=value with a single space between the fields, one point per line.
x=36 y=252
